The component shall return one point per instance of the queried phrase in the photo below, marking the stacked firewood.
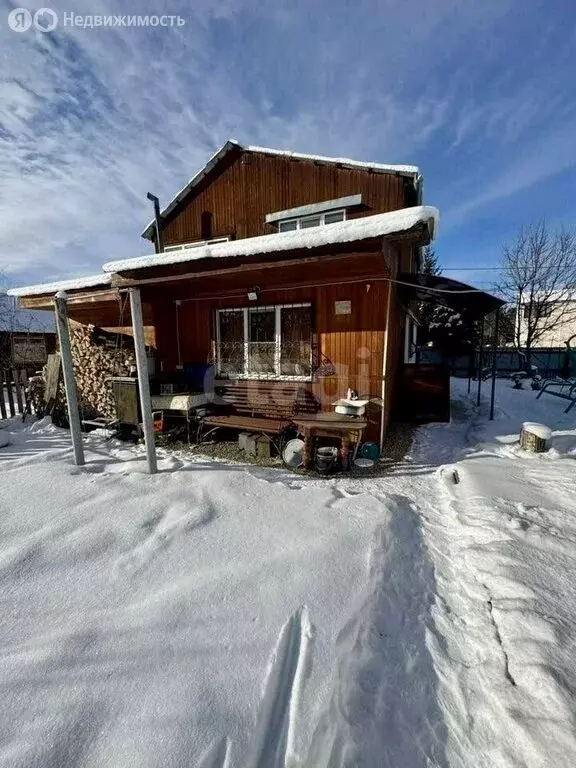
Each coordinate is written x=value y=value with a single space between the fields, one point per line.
x=97 y=356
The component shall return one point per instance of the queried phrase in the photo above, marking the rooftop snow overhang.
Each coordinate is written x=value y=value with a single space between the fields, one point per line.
x=449 y=293
x=102 y=280
x=417 y=225
x=41 y=295
x=409 y=171
x=419 y=221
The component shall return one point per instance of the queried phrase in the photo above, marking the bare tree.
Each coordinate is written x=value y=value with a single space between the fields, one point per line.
x=539 y=279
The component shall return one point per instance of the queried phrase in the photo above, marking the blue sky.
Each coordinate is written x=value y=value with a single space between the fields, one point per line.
x=480 y=95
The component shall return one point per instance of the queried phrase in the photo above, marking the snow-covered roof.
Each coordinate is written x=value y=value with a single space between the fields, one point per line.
x=403 y=170
x=362 y=228
x=75 y=284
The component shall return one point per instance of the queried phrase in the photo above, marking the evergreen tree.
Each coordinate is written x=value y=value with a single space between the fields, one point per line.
x=425 y=309
x=430 y=264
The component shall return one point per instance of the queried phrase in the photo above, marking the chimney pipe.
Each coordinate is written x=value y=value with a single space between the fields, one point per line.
x=158 y=243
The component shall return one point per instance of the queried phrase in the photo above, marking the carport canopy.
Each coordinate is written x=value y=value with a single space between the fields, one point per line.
x=446 y=292
x=460 y=297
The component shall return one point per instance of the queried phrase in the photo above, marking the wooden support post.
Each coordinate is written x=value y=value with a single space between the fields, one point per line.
x=61 y=311
x=16 y=377
x=2 y=401
x=9 y=392
x=345 y=451
x=143 y=383
x=385 y=390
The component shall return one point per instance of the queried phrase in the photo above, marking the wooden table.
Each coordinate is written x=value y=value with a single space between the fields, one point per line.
x=327 y=425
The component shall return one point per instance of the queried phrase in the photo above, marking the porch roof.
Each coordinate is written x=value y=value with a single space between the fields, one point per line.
x=417 y=223
x=366 y=227
x=102 y=280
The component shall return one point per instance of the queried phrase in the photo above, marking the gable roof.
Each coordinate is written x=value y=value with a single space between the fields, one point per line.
x=410 y=171
x=366 y=227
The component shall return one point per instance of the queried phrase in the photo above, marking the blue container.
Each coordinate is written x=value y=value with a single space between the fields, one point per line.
x=370 y=451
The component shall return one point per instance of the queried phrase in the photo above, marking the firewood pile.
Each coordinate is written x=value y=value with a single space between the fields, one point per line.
x=97 y=356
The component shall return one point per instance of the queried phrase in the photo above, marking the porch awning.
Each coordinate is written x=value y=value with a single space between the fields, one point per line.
x=441 y=290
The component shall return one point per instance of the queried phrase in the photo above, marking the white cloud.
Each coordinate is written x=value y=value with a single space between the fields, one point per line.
x=544 y=157
x=90 y=120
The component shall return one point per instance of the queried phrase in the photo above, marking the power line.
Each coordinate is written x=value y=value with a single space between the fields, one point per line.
x=474 y=269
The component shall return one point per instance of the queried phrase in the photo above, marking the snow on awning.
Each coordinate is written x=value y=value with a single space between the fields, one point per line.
x=75 y=284
x=363 y=228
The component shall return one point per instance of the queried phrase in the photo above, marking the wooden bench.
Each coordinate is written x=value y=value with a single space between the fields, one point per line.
x=268 y=407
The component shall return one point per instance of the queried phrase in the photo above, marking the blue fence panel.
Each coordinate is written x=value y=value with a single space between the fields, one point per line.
x=550 y=361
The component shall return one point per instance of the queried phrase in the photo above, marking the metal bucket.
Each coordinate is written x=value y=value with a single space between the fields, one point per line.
x=326 y=458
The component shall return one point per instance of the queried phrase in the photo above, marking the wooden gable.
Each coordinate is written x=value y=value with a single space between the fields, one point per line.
x=234 y=198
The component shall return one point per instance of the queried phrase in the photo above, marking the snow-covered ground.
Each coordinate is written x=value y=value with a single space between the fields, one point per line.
x=225 y=616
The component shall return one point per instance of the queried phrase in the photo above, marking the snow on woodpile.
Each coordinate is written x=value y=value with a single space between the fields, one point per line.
x=74 y=284
x=365 y=227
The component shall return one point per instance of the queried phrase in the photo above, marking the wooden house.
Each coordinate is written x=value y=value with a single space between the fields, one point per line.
x=278 y=270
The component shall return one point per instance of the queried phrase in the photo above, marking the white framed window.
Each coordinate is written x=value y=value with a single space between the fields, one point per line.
x=196 y=244
x=265 y=342
x=305 y=222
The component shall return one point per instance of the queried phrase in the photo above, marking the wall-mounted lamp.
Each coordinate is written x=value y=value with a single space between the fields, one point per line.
x=253 y=294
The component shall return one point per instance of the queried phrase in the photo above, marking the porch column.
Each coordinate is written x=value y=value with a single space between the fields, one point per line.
x=143 y=383
x=480 y=356
x=61 y=312
x=385 y=390
x=494 y=362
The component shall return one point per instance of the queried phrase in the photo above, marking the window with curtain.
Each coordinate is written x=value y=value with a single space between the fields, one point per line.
x=265 y=342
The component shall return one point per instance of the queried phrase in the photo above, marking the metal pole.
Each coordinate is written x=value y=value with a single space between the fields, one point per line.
x=384 y=390
x=494 y=362
x=143 y=383
x=480 y=353
x=61 y=312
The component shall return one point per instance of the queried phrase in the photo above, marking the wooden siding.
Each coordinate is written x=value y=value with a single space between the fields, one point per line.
x=353 y=343
x=240 y=192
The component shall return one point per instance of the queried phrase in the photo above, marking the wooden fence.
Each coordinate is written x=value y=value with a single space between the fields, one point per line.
x=13 y=383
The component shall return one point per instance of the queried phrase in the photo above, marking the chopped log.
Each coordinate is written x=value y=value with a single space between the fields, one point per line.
x=535 y=437
x=97 y=355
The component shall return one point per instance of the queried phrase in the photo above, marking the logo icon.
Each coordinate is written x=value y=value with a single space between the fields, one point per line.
x=45 y=20
x=20 y=20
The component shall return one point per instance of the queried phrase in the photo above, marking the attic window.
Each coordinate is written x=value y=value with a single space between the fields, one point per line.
x=306 y=222
x=329 y=211
x=197 y=244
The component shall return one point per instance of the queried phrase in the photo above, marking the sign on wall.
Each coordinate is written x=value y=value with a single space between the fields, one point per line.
x=343 y=307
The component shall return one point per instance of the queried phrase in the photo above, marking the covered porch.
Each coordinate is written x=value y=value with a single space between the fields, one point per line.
x=270 y=333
